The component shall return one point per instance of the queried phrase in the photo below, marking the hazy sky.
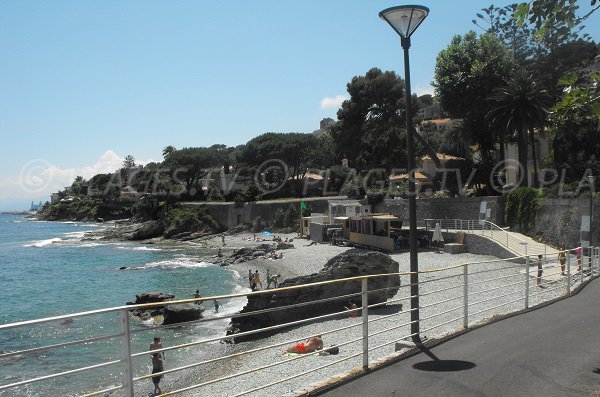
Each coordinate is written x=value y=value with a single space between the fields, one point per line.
x=84 y=83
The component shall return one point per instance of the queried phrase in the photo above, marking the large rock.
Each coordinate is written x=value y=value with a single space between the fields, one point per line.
x=182 y=312
x=152 y=297
x=148 y=230
x=349 y=264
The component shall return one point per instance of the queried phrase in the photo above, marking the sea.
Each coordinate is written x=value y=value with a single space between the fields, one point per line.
x=53 y=268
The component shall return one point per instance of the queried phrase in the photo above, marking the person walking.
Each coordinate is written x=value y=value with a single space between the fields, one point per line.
x=157 y=364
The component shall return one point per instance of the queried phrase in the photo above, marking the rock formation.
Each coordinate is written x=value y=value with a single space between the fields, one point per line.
x=349 y=264
x=172 y=314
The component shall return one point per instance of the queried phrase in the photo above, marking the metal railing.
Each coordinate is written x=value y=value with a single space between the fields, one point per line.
x=501 y=235
x=451 y=298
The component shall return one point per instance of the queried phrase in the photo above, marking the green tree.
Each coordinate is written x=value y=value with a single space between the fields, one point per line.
x=167 y=151
x=129 y=161
x=554 y=22
x=369 y=131
x=466 y=73
x=576 y=122
x=190 y=165
x=519 y=106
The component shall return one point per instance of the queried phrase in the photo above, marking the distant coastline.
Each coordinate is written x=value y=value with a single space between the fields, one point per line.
x=18 y=212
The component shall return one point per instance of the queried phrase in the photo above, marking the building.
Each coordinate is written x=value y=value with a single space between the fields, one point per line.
x=381 y=231
x=428 y=165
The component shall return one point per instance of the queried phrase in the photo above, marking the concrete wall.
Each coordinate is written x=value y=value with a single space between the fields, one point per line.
x=233 y=214
x=455 y=208
x=558 y=221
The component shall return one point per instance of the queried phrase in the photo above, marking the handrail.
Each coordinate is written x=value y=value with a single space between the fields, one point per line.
x=436 y=303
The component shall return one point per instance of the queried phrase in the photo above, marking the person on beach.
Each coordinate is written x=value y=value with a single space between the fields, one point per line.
x=157 y=364
x=197 y=296
x=217 y=305
x=352 y=310
x=257 y=281
x=311 y=345
x=219 y=253
x=562 y=258
x=540 y=271
x=272 y=279
x=223 y=239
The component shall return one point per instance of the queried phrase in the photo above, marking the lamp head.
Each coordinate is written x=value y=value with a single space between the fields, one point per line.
x=404 y=19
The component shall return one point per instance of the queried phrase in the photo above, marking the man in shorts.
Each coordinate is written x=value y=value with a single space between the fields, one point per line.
x=157 y=364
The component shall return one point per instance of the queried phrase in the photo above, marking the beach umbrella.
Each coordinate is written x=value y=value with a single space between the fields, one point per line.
x=266 y=233
x=437 y=234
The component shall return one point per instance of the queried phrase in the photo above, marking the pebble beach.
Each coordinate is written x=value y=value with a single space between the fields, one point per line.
x=492 y=294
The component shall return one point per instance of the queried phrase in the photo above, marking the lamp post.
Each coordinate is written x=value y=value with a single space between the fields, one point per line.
x=591 y=180
x=405 y=20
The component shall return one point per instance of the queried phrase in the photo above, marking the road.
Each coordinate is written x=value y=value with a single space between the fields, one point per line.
x=551 y=351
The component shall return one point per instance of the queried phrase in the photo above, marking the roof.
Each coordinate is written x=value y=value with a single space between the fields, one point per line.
x=438 y=121
x=442 y=157
x=418 y=175
x=387 y=217
x=345 y=203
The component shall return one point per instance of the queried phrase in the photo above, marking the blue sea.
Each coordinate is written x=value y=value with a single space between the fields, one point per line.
x=51 y=268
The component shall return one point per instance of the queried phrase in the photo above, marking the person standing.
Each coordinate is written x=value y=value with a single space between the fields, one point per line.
x=217 y=305
x=197 y=296
x=578 y=254
x=223 y=239
x=257 y=281
x=157 y=364
x=562 y=258
x=540 y=271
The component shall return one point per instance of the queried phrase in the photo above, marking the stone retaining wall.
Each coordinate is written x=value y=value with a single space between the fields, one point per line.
x=454 y=208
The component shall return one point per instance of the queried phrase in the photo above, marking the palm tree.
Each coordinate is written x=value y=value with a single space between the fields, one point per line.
x=519 y=106
x=167 y=151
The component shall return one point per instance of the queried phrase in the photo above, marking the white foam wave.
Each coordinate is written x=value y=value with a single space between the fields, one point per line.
x=86 y=245
x=121 y=247
x=43 y=243
x=172 y=264
x=75 y=235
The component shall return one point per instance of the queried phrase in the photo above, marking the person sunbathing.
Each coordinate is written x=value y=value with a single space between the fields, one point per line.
x=311 y=345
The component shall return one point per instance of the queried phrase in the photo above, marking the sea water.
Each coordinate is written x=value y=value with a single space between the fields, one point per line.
x=51 y=268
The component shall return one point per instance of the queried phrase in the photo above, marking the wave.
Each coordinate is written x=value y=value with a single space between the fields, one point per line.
x=43 y=243
x=87 y=245
x=121 y=247
x=169 y=264
x=75 y=235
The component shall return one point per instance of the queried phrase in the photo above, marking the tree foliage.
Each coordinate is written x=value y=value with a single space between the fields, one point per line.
x=466 y=73
x=518 y=107
x=369 y=130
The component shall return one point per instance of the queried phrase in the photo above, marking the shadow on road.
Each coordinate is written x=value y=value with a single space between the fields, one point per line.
x=437 y=365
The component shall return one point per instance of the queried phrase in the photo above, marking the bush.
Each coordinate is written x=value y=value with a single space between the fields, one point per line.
x=521 y=207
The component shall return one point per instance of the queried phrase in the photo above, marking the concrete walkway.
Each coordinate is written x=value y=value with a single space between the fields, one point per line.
x=551 y=351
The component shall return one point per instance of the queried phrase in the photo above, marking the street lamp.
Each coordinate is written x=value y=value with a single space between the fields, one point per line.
x=590 y=178
x=405 y=20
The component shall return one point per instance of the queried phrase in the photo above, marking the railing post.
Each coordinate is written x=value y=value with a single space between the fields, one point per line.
x=126 y=354
x=466 y=296
x=581 y=265
x=568 y=272
x=526 y=280
x=365 y=323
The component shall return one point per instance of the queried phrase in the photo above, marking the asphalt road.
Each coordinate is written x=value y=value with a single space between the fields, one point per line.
x=551 y=351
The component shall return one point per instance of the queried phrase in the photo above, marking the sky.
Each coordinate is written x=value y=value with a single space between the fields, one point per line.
x=85 y=83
